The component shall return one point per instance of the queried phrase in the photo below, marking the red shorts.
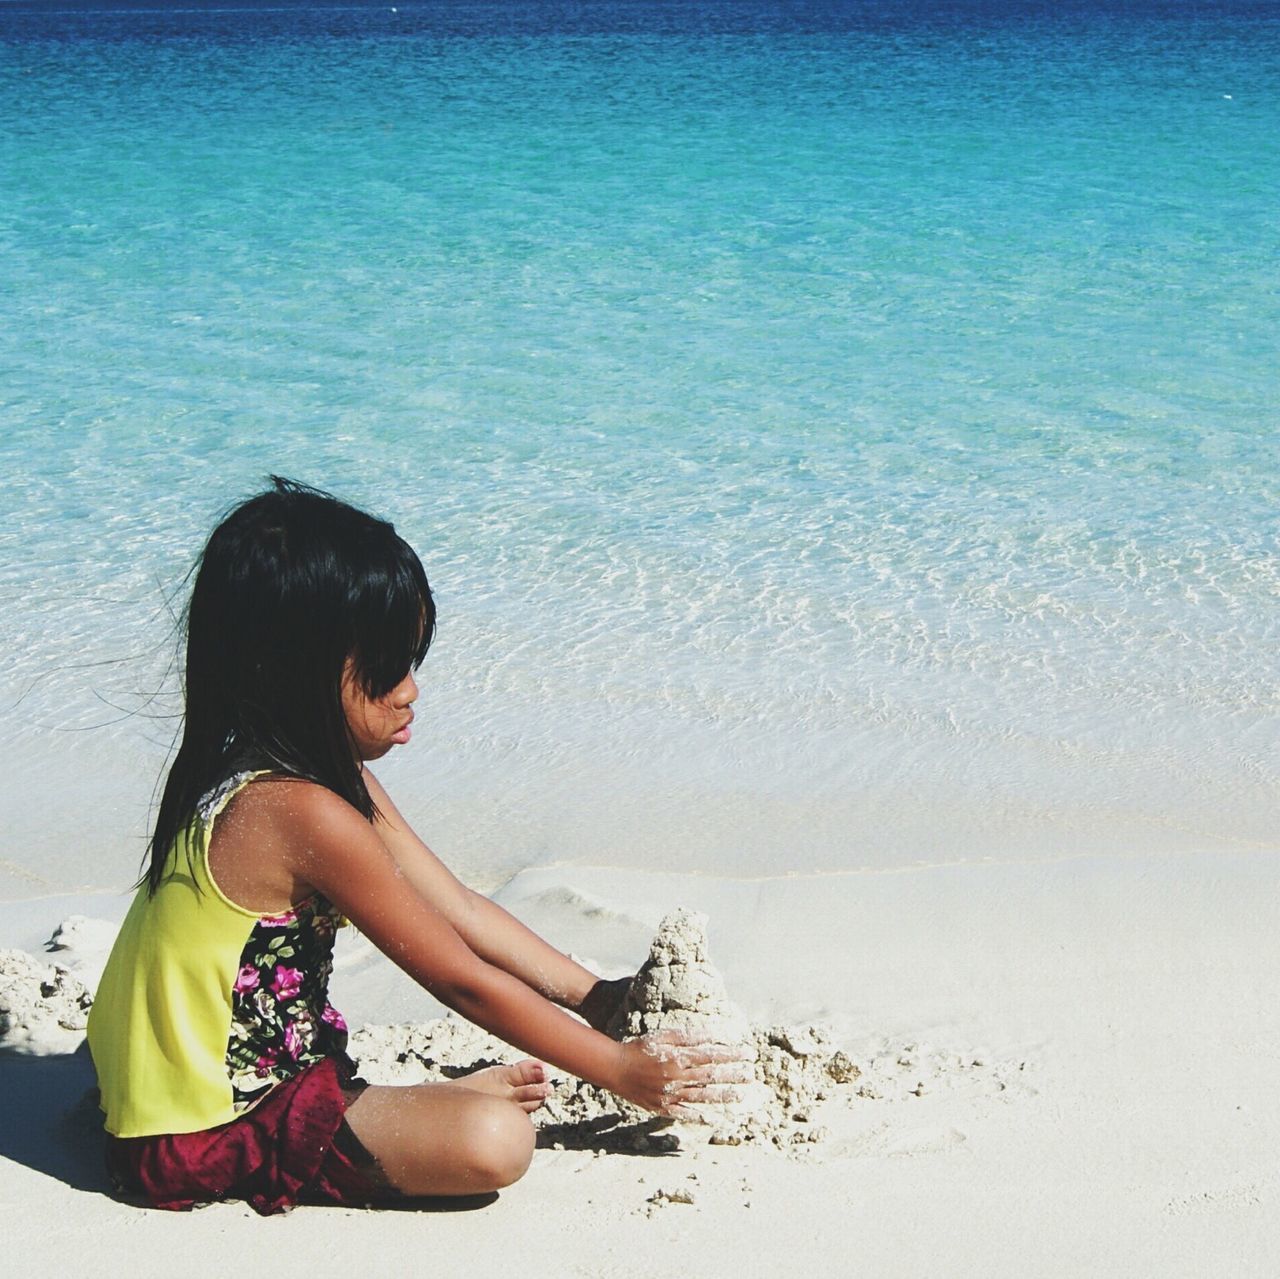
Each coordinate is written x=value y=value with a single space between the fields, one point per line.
x=293 y=1147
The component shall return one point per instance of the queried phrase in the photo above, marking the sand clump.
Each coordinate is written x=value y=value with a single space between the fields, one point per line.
x=677 y=991
x=44 y=1004
x=44 y=1008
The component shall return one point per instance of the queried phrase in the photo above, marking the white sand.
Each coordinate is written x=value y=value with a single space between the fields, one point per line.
x=1066 y=1069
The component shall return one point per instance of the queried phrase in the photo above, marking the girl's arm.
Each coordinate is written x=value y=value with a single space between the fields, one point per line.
x=330 y=847
x=490 y=931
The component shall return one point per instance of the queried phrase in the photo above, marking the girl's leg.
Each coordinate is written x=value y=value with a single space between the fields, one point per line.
x=466 y=1137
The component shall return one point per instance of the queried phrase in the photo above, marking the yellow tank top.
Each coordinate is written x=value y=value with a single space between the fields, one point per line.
x=205 y=1006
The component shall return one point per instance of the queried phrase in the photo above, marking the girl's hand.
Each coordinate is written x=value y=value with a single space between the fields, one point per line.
x=602 y=1001
x=672 y=1073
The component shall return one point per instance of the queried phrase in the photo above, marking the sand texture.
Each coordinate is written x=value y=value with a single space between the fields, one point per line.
x=999 y=1070
x=678 y=991
x=43 y=1007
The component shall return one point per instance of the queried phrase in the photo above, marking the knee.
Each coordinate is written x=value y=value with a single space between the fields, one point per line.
x=500 y=1142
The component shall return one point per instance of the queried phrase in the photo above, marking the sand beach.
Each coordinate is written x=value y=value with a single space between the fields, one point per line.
x=842 y=441
x=1050 y=1080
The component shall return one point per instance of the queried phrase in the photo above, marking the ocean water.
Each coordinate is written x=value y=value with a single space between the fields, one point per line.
x=840 y=436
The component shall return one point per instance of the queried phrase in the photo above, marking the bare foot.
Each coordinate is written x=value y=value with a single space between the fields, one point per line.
x=525 y=1083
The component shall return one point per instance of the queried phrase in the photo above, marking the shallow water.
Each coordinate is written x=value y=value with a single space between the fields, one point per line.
x=837 y=434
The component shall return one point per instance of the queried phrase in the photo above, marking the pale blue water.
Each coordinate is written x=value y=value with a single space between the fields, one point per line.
x=839 y=435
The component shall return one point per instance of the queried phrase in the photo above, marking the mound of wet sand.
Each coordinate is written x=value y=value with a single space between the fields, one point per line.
x=43 y=1008
x=678 y=991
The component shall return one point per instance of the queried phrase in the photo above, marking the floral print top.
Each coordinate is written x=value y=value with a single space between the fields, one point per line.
x=281 y=1017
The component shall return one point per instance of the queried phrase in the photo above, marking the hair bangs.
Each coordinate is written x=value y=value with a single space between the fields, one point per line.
x=394 y=622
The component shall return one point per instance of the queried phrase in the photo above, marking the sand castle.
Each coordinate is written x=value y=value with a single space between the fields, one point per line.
x=679 y=990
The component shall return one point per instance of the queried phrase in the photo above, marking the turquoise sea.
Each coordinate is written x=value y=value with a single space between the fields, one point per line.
x=840 y=435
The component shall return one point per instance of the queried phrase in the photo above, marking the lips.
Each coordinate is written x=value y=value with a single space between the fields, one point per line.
x=404 y=732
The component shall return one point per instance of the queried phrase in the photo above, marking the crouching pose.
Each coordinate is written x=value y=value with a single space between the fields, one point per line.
x=221 y=1062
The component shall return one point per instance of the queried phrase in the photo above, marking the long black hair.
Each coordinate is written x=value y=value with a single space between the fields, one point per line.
x=291 y=584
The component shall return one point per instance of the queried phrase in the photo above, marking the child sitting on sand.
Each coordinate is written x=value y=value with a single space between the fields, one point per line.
x=220 y=1061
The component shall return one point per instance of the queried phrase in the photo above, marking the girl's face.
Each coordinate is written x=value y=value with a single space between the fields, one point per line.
x=378 y=724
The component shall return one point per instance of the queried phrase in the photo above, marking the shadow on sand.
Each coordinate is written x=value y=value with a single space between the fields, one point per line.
x=52 y=1124
x=51 y=1119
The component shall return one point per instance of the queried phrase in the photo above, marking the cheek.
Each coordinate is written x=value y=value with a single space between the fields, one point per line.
x=373 y=720
x=356 y=711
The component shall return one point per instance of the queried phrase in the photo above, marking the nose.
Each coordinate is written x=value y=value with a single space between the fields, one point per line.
x=406 y=691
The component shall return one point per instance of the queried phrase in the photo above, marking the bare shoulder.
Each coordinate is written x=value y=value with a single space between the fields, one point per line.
x=277 y=798
x=284 y=837
x=295 y=809
x=290 y=815
x=253 y=854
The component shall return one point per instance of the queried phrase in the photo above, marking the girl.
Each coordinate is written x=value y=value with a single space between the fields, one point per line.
x=220 y=1061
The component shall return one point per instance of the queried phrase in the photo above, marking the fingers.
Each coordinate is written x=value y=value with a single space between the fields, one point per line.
x=694 y=1049
x=676 y=1095
x=690 y=1106
x=686 y=1113
x=676 y=1069
x=690 y=1059
x=711 y=1095
x=720 y=1053
x=736 y=1072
